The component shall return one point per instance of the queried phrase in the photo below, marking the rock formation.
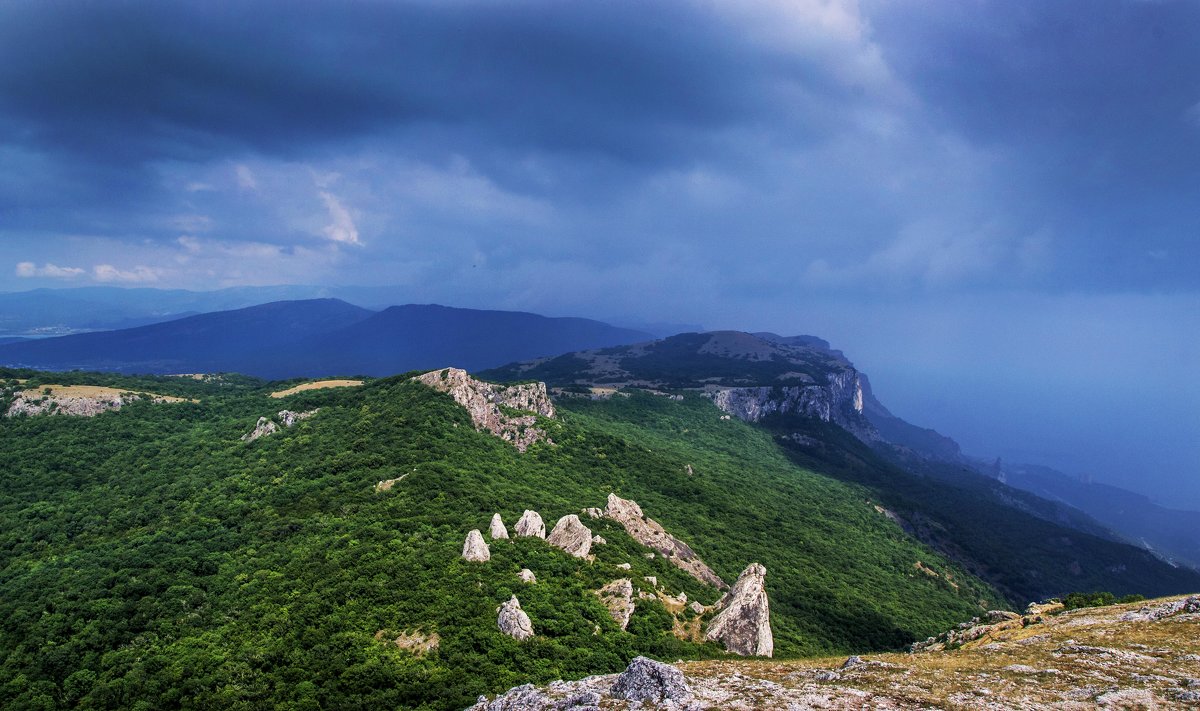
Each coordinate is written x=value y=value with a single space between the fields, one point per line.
x=526 y=575
x=387 y=484
x=743 y=624
x=617 y=596
x=76 y=400
x=475 y=549
x=647 y=680
x=531 y=525
x=288 y=418
x=483 y=402
x=496 y=528
x=572 y=536
x=264 y=427
x=414 y=641
x=649 y=533
x=513 y=621
x=839 y=401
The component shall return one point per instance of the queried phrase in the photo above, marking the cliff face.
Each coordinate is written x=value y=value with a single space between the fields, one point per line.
x=839 y=401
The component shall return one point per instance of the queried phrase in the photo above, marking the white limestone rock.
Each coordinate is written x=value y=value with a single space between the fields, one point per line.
x=496 y=529
x=475 y=549
x=531 y=525
x=513 y=621
x=526 y=575
x=572 y=536
x=743 y=624
x=617 y=596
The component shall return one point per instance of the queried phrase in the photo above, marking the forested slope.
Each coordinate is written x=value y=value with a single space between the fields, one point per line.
x=151 y=559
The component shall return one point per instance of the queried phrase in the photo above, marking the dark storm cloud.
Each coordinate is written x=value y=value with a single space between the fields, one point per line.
x=1095 y=103
x=129 y=82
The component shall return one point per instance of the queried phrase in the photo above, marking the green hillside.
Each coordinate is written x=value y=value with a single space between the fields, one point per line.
x=151 y=559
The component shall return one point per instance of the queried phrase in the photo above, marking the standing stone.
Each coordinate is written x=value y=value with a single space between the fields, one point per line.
x=744 y=623
x=617 y=596
x=474 y=549
x=497 y=529
x=526 y=575
x=513 y=621
x=531 y=524
x=572 y=536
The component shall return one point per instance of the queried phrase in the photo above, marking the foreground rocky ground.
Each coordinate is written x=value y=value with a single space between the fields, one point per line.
x=1136 y=656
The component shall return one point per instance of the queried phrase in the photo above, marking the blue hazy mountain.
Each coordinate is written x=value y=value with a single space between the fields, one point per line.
x=320 y=337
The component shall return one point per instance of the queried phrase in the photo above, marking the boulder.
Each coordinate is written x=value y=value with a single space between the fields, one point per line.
x=617 y=596
x=513 y=621
x=475 y=549
x=526 y=575
x=531 y=524
x=647 y=680
x=496 y=529
x=598 y=540
x=743 y=624
x=572 y=536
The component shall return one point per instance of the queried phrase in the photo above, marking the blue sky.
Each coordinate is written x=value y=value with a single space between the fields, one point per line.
x=991 y=206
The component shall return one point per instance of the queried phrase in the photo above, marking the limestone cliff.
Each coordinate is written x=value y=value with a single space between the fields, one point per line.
x=839 y=401
x=487 y=404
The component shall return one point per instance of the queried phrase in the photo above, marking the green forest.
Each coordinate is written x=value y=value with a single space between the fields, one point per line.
x=149 y=558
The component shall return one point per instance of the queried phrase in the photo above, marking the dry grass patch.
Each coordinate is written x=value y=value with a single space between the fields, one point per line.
x=95 y=392
x=317 y=385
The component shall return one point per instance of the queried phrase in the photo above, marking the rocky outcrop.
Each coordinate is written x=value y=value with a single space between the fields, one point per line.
x=992 y=622
x=530 y=525
x=287 y=418
x=572 y=536
x=475 y=550
x=487 y=404
x=647 y=680
x=743 y=624
x=387 y=484
x=526 y=575
x=264 y=428
x=496 y=528
x=617 y=596
x=513 y=621
x=649 y=533
x=839 y=401
x=76 y=400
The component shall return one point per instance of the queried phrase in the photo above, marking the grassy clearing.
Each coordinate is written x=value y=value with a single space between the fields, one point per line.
x=98 y=392
x=317 y=385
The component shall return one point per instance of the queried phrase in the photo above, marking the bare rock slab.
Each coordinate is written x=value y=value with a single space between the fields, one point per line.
x=572 y=536
x=743 y=624
x=647 y=680
x=483 y=400
x=651 y=534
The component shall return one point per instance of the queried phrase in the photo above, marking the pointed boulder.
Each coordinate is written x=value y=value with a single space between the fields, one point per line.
x=513 y=621
x=497 y=529
x=475 y=549
x=531 y=524
x=572 y=536
x=743 y=624
x=526 y=575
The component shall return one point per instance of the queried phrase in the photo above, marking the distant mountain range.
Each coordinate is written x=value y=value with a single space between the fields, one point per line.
x=317 y=337
x=57 y=312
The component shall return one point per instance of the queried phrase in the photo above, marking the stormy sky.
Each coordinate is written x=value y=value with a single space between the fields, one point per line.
x=993 y=207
